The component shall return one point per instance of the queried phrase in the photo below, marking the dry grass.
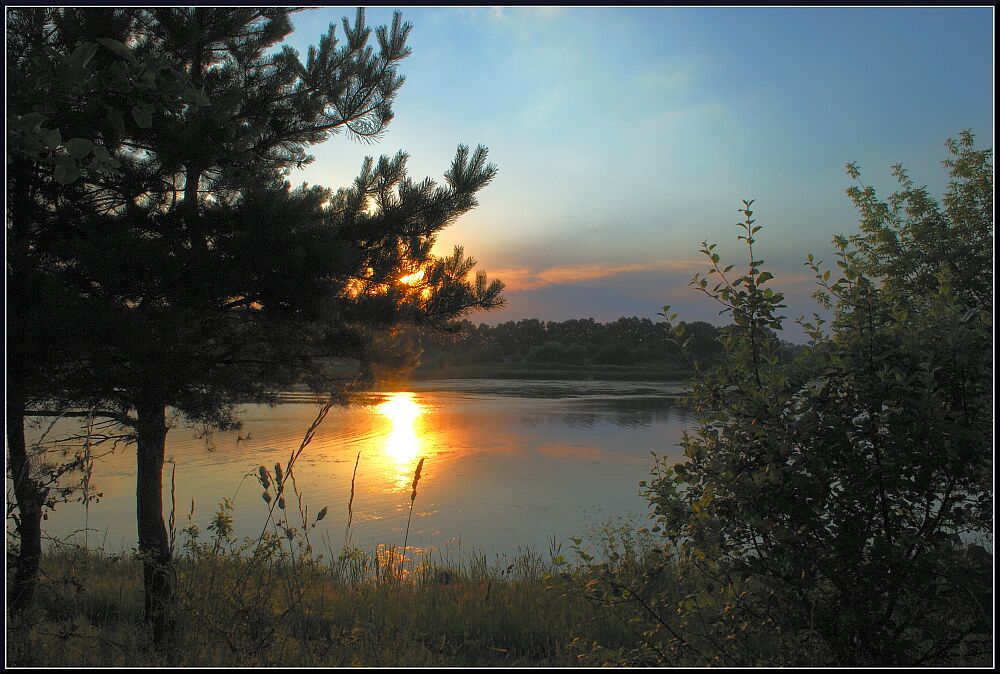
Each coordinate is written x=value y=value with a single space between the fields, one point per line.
x=358 y=609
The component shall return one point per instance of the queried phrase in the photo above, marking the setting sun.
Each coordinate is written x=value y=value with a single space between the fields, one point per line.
x=402 y=410
x=414 y=278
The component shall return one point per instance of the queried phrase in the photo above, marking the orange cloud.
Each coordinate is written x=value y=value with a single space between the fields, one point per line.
x=524 y=278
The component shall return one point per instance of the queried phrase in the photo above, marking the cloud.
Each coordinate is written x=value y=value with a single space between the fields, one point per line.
x=503 y=13
x=668 y=77
x=524 y=278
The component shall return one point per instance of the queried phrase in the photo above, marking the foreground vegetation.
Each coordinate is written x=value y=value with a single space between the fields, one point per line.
x=828 y=503
x=284 y=606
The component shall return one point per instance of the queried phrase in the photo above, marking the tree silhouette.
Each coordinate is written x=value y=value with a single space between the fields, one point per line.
x=152 y=150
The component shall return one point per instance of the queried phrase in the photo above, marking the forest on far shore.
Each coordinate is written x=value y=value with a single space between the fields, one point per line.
x=626 y=343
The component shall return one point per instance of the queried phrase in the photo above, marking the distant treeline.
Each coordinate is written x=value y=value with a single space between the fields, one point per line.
x=578 y=342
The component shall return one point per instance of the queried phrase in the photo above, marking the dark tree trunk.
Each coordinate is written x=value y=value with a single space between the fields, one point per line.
x=30 y=498
x=28 y=494
x=154 y=547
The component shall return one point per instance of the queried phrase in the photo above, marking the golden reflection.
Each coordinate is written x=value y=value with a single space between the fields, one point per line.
x=403 y=443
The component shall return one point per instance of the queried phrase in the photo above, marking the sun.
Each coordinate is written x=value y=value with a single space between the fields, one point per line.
x=402 y=410
x=413 y=279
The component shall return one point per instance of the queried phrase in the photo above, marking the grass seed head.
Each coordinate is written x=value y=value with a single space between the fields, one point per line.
x=416 y=479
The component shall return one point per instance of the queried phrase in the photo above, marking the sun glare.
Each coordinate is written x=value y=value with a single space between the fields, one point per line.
x=403 y=443
x=414 y=278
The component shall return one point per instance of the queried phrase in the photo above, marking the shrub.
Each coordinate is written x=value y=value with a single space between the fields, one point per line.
x=833 y=507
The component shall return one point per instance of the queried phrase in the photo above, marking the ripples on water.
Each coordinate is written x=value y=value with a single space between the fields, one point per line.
x=509 y=464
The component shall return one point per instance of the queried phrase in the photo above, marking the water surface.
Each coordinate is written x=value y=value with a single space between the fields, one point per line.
x=508 y=464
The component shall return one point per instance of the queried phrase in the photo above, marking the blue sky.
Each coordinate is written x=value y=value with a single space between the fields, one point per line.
x=626 y=136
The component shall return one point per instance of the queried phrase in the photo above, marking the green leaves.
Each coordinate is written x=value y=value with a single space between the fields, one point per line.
x=66 y=171
x=864 y=461
x=79 y=148
x=116 y=119
x=117 y=48
x=142 y=113
x=31 y=121
x=68 y=167
x=82 y=55
x=52 y=138
x=101 y=154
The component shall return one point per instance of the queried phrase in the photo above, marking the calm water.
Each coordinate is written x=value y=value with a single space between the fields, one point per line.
x=508 y=464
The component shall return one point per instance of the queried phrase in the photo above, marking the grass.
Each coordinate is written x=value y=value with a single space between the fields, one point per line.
x=353 y=610
x=276 y=603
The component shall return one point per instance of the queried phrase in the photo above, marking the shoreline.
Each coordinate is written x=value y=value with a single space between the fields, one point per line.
x=555 y=372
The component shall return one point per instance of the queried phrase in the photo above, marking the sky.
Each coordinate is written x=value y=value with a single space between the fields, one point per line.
x=624 y=137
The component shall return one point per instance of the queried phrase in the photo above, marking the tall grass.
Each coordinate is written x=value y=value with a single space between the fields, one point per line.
x=355 y=609
x=409 y=517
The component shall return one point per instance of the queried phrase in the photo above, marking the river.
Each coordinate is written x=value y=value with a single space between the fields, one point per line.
x=507 y=465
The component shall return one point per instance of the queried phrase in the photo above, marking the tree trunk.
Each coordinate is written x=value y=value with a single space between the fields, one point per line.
x=154 y=548
x=28 y=494
x=30 y=498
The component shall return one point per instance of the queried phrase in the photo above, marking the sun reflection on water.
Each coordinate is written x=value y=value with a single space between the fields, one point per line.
x=403 y=443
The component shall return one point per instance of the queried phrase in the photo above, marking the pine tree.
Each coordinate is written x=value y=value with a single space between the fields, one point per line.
x=155 y=147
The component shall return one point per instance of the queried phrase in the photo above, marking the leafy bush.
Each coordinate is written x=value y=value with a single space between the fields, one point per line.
x=837 y=508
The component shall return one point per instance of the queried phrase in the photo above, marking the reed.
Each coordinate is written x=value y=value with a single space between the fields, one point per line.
x=413 y=497
x=350 y=501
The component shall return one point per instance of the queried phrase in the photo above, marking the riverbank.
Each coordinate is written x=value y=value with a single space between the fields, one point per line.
x=277 y=604
x=284 y=610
